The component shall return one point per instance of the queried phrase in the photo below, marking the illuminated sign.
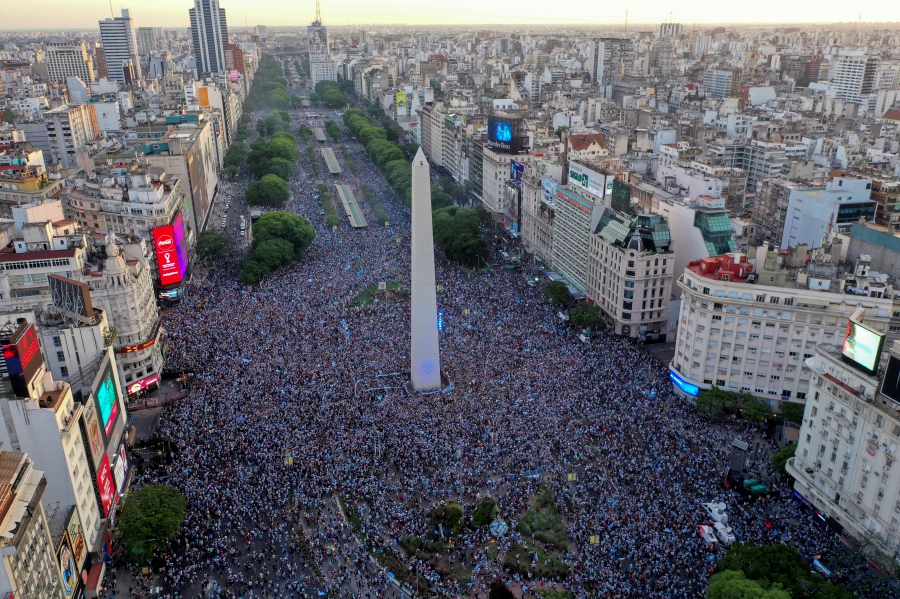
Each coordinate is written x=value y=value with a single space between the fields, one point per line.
x=862 y=347
x=515 y=172
x=143 y=384
x=688 y=388
x=166 y=255
x=400 y=100
x=501 y=135
x=120 y=469
x=108 y=401
x=22 y=357
x=67 y=569
x=105 y=485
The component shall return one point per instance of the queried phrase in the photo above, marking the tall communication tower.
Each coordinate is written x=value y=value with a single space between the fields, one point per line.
x=318 y=21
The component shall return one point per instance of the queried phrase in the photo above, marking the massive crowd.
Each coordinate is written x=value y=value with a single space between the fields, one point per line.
x=299 y=400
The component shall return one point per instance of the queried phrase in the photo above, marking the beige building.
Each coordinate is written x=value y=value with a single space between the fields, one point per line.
x=630 y=272
x=845 y=464
x=70 y=128
x=30 y=568
x=69 y=60
x=749 y=326
x=539 y=183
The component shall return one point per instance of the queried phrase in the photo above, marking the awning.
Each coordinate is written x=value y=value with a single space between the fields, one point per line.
x=93 y=586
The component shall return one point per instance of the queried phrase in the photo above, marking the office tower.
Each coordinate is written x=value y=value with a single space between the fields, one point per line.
x=425 y=357
x=722 y=83
x=209 y=36
x=69 y=60
x=610 y=59
x=117 y=35
x=148 y=40
x=321 y=64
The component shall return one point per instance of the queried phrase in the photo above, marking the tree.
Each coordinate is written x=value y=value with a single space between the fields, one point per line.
x=235 y=154
x=282 y=148
x=148 y=518
x=484 y=513
x=732 y=584
x=305 y=132
x=792 y=412
x=717 y=402
x=333 y=130
x=585 y=316
x=284 y=225
x=273 y=253
x=231 y=171
x=271 y=191
x=212 y=245
x=281 y=168
x=558 y=293
x=781 y=457
x=457 y=231
x=754 y=409
x=252 y=272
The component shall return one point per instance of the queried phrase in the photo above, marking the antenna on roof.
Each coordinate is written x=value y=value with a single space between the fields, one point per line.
x=626 y=21
x=318 y=21
x=111 y=13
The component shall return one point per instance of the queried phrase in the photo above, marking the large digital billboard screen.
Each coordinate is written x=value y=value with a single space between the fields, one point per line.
x=180 y=245
x=502 y=135
x=621 y=196
x=890 y=384
x=516 y=169
x=511 y=208
x=167 y=255
x=108 y=401
x=105 y=485
x=862 y=347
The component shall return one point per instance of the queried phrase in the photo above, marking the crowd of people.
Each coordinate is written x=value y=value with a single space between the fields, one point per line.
x=300 y=402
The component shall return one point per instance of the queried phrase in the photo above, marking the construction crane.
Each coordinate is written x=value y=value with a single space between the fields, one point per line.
x=318 y=21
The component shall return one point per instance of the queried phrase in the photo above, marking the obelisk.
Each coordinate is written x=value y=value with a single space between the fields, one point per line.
x=425 y=367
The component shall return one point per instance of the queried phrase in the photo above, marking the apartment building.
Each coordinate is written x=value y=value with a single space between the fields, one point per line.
x=845 y=468
x=23 y=179
x=539 y=183
x=722 y=83
x=30 y=567
x=571 y=233
x=813 y=210
x=853 y=74
x=69 y=60
x=630 y=273
x=749 y=325
x=120 y=46
x=70 y=129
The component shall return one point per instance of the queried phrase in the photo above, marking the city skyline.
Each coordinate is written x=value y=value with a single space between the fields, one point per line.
x=60 y=14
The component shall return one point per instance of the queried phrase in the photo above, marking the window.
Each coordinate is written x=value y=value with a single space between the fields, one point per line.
x=57 y=342
x=761 y=298
x=64 y=371
x=60 y=356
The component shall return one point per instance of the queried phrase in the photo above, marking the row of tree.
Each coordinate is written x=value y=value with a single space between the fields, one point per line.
x=279 y=238
x=269 y=88
x=581 y=315
x=271 y=161
x=330 y=93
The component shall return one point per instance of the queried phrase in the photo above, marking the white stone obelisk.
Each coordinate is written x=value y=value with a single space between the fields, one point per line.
x=425 y=368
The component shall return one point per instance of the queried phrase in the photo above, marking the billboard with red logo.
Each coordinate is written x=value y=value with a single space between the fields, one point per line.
x=167 y=255
x=105 y=485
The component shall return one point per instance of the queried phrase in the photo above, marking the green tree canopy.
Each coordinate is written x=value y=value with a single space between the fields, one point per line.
x=558 y=293
x=457 y=231
x=732 y=584
x=304 y=132
x=273 y=253
x=281 y=148
x=333 y=130
x=280 y=167
x=212 y=245
x=792 y=412
x=284 y=225
x=235 y=154
x=149 y=517
x=585 y=316
x=271 y=191
x=781 y=457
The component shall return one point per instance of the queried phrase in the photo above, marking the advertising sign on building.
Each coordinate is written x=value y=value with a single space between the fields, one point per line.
x=548 y=190
x=400 y=100
x=318 y=43
x=68 y=571
x=108 y=402
x=516 y=169
x=120 y=469
x=587 y=179
x=166 y=255
x=502 y=135
x=106 y=485
x=92 y=430
x=512 y=208
x=76 y=539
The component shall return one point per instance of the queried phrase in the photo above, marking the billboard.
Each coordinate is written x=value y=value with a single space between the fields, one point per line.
x=166 y=255
x=68 y=571
x=512 y=208
x=621 y=196
x=516 y=169
x=71 y=296
x=548 y=190
x=502 y=135
x=862 y=347
x=587 y=179
x=92 y=432
x=105 y=485
x=22 y=357
x=120 y=469
x=180 y=245
x=400 y=100
x=76 y=539
x=318 y=43
x=107 y=401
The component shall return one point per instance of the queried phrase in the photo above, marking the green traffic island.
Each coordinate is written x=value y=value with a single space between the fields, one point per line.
x=543 y=541
x=367 y=296
x=331 y=216
x=349 y=159
x=381 y=216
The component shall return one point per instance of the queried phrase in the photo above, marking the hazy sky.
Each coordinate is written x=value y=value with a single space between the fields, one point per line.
x=84 y=14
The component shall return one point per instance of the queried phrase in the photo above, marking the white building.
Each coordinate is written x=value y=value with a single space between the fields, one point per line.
x=120 y=45
x=853 y=74
x=321 y=62
x=845 y=465
x=811 y=211
x=748 y=326
x=70 y=128
x=69 y=60
x=609 y=59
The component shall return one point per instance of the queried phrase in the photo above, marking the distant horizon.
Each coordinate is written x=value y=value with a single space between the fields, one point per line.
x=84 y=15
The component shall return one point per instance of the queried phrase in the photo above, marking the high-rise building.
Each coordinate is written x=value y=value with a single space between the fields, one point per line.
x=69 y=60
x=102 y=69
x=610 y=59
x=120 y=45
x=148 y=40
x=722 y=83
x=321 y=63
x=671 y=29
x=209 y=35
x=853 y=74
